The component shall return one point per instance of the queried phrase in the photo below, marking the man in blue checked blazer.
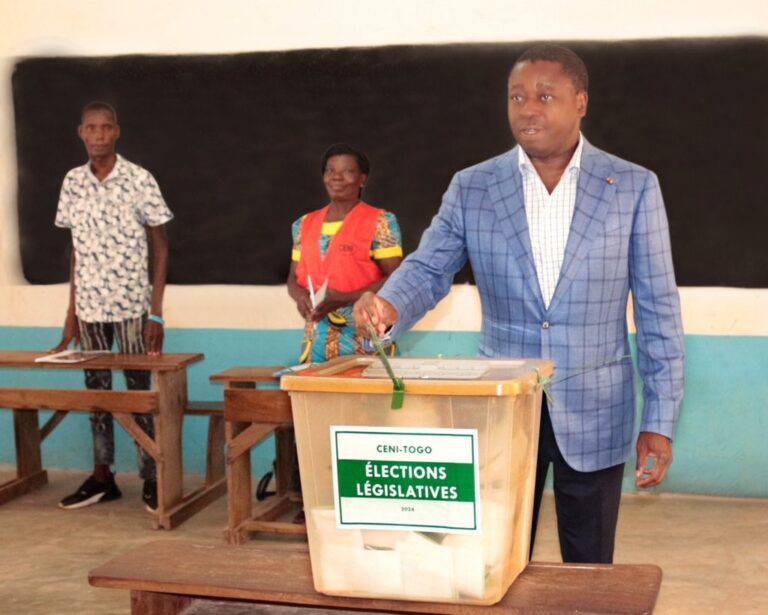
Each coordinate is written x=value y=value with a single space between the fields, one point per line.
x=558 y=233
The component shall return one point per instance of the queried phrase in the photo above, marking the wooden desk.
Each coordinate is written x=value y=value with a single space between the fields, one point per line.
x=251 y=415
x=166 y=401
x=169 y=577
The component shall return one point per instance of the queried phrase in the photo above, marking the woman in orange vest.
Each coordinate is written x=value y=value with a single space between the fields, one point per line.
x=339 y=252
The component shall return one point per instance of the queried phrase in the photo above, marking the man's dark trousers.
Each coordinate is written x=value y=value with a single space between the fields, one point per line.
x=587 y=503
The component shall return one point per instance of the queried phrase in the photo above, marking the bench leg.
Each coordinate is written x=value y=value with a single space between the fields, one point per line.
x=29 y=467
x=154 y=603
x=239 y=489
x=212 y=489
x=286 y=461
x=215 y=463
x=172 y=398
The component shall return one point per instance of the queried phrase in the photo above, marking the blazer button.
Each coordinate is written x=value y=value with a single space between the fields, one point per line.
x=545 y=324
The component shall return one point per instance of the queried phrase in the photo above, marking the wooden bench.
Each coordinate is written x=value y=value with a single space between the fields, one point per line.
x=166 y=401
x=252 y=414
x=169 y=578
x=215 y=484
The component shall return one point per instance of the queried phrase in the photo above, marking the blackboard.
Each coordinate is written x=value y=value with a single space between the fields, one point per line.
x=235 y=142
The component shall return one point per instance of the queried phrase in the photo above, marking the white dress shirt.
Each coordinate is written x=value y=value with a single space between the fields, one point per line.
x=549 y=218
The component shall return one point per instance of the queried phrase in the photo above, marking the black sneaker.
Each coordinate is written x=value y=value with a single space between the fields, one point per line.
x=90 y=492
x=149 y=495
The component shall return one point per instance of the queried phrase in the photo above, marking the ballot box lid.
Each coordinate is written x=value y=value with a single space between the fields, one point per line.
x=423 y=376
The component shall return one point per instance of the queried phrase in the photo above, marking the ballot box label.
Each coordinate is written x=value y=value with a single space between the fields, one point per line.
x=401 y=478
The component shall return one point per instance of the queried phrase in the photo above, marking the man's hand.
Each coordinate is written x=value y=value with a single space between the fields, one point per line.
x=371 y=308
x=153 y=337
x=70 y=333
x=652 y=445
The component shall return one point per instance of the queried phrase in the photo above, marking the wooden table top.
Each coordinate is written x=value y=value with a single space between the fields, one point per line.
x=162 y=362
x=247 y=374
x=269 y=574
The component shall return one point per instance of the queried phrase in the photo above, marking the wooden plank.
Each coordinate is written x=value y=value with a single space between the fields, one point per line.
x=19 y=486
x=585 y=588
x=171 y=390
x=221 y=607
x=239 y=488
x=138 y=402
x=139 y=435
x=275 y=527
x=27 y=437
x=257 y=406
x=151 y=603
x=247 y=439
x=195 y=502
x=52 y=423
x=286 y=461
x=247 y=374
x=272 y=508
x=215 y=458
x=269 y=575
x=204 y=408
x=161 y=362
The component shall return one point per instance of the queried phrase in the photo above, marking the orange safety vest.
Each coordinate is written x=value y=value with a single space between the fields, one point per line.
x=347 y=264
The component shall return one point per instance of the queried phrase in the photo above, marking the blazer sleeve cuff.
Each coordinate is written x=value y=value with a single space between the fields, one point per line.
x=660 y=417
x=398 y=302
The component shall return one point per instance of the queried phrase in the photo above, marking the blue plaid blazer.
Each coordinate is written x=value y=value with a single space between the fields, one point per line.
x=618 y=241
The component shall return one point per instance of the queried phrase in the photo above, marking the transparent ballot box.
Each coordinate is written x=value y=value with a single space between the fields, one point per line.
x=432 y=501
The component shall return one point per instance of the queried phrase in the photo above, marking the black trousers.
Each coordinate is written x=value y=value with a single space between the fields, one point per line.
x=587 y=503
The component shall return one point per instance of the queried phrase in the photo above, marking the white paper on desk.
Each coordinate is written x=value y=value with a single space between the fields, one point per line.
x=71 y=356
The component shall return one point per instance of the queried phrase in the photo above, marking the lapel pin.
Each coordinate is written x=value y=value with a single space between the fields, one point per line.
x=610 y=180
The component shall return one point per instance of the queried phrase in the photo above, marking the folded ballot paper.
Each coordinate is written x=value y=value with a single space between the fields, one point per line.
x=399 y=564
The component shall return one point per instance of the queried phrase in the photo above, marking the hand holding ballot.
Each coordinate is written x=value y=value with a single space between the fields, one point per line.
x=371 y=308
x=325 y=300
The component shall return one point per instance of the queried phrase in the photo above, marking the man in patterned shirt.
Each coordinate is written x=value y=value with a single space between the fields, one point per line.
x=112 y=206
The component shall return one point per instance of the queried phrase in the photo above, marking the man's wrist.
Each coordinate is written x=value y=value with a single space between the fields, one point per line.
x=156 y=318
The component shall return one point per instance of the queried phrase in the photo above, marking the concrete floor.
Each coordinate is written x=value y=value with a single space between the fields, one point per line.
x=714 y=551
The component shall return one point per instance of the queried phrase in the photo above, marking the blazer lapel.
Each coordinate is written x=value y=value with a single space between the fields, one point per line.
x=594 y=194
x=507 y=196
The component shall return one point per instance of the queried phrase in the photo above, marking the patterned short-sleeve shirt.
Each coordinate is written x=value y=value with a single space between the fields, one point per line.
x=108 y=220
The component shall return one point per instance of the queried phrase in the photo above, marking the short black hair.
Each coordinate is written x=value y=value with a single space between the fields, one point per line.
x=341 y=149
x=573 y=65
x=99 y=105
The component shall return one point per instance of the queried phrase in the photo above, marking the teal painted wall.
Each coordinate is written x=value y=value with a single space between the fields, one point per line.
x=720 y=447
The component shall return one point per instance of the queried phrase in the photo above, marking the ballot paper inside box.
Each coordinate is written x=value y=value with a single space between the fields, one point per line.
x=432 y=501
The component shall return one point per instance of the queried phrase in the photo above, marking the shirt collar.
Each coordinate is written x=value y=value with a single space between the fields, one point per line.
x=525 y=165
x=115 y=172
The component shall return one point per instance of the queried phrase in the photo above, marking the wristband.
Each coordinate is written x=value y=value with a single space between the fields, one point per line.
x=158 y=319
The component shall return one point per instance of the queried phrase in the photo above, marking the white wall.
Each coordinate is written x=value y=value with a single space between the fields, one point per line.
x=111 y=27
